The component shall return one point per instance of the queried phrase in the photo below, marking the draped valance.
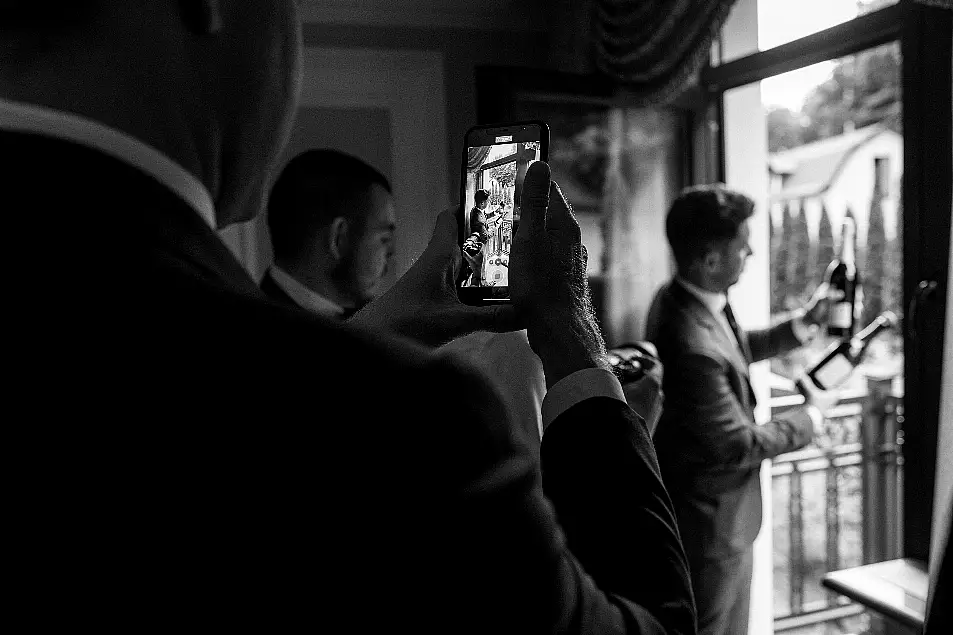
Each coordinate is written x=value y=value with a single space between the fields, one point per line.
x=476 y=156
x=655 y=46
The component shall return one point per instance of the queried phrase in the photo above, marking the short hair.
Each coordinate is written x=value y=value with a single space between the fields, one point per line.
x=703 y=216
x=316 y=187
x=480 y=196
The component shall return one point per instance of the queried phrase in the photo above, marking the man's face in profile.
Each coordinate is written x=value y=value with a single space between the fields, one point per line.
x=369 y=259
x=732 y=256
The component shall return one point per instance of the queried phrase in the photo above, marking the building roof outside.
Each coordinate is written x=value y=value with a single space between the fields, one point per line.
x=809 y=170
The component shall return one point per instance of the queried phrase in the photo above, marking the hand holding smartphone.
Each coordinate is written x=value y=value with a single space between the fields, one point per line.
x=495 y=160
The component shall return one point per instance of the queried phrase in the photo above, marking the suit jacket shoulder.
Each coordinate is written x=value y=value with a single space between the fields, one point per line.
x=217 y=457
x=680 y=324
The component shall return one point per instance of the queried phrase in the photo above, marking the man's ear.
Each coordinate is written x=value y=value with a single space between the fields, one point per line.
x=711 y=260
x=202 y=17
x=338 y=238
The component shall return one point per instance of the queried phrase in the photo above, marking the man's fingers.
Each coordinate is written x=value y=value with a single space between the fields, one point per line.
x=826 y=291
x=646 y=347
x=535 y=198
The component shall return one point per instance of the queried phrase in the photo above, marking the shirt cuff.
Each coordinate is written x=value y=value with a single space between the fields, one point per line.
x=581 y=385
x=804 y=333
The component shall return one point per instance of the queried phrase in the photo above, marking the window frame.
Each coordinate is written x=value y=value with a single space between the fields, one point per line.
x=925 y=34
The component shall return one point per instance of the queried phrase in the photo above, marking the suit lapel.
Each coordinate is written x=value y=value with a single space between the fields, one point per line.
x=721 y=338
x=179 y=232
x=274 y=291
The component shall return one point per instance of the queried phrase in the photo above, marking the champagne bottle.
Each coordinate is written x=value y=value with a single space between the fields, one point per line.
x=840 y=359
x=842 y=275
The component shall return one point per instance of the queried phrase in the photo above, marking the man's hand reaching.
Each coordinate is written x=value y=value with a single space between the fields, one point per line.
x=818 y=308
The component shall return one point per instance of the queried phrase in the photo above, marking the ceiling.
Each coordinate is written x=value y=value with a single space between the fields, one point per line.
x=495 y=15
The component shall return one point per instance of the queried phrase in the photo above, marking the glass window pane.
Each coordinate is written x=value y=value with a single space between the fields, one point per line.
x=783 y=21
x=827 y=144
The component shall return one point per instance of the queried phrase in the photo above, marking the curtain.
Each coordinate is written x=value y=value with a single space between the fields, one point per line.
x=476 y=157
x=655 y=46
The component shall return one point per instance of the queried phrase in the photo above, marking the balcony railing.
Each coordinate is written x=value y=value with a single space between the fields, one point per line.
x=836 y=505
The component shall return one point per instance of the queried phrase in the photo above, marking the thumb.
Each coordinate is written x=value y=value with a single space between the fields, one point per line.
x=443 y=240
x=534 y=200
x=446 y=228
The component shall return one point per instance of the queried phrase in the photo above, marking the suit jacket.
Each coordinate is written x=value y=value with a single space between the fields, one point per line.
x=199 y=454
x=478 y=223
x=709 y=446
x=270 y=288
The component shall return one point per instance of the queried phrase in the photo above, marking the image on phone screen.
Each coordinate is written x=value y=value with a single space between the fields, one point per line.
x=494 y=181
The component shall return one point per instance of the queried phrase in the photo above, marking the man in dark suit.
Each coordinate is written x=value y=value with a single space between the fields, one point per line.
x=709 y=446
x=478 y=215
x=196 y=455
x=331 y=220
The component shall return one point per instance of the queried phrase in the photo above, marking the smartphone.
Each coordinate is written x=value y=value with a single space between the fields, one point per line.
x=495 y=160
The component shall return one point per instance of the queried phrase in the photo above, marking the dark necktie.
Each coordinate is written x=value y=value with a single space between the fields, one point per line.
x=733 y=323
x=743 y=345
x=739 y=336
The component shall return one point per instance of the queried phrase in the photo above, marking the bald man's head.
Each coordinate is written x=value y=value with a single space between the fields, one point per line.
x=212 y=84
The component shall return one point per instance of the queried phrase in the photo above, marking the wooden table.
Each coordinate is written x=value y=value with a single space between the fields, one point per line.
x=895 y=588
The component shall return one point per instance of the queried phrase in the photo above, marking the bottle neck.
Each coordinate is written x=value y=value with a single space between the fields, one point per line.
x=847 y=246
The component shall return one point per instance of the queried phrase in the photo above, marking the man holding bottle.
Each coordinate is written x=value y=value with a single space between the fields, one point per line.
x=709 y=445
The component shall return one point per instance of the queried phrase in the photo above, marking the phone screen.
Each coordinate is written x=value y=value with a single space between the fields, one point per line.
x=495 y=164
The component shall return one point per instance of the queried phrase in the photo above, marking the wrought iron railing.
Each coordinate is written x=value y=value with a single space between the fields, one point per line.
x=836 y=505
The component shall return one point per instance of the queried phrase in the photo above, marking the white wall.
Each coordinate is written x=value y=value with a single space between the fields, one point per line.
x=457 y=36
x=409 y=86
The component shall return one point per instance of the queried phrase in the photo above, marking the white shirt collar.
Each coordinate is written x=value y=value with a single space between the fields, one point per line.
x=20 y=117
x=715 y=302
x=304 y=297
